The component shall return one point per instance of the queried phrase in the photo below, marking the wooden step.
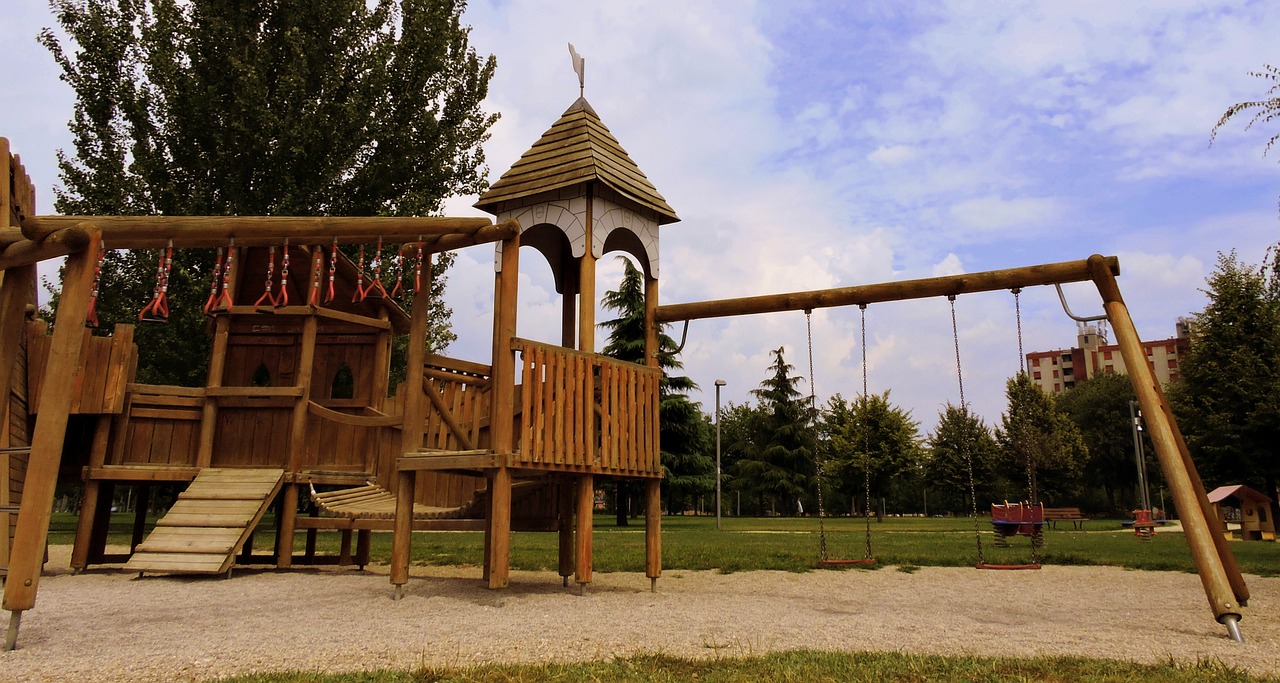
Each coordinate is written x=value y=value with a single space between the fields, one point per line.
x=209 y=523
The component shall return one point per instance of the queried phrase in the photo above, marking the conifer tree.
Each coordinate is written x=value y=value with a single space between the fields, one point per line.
x=961 y=437
x=684 y=433
x=778 y=463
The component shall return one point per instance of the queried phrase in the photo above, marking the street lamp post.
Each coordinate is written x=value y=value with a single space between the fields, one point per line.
x=719 y=383
x=1144 y=494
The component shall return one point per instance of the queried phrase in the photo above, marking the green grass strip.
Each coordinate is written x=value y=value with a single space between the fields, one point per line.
x=800 y=667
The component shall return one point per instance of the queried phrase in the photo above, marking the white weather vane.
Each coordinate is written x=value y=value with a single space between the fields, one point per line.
x=579 y=67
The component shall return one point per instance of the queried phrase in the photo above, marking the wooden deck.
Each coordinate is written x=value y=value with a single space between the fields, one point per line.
x=209 y=523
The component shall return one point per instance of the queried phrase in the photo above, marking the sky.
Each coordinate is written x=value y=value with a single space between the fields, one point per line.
x=809 y=144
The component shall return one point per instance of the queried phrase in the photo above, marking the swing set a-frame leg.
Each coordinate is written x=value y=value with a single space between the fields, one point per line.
x=1223 y=584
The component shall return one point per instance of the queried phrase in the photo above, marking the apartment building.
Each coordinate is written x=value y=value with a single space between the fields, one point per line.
x=1059 y=371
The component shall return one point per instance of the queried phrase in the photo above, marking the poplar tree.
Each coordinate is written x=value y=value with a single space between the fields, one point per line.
x=261 y=107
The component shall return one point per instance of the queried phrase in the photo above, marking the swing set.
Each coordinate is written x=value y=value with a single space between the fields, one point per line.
x=1220 y=575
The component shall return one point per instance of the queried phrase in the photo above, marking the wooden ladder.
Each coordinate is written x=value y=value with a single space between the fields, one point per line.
x=209 y=523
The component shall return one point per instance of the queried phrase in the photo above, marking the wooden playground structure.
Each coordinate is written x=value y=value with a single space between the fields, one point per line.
x=298 y=399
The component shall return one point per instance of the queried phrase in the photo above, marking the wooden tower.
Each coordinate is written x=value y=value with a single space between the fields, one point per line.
x=577 y=196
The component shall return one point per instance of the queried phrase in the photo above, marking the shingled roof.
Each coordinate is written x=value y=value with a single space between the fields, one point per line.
x=578 y=148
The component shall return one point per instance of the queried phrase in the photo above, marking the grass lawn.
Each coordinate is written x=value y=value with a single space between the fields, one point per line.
x=786 y=544
x=799 y=666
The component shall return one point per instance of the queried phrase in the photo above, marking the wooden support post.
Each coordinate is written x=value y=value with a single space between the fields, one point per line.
x=410 y=434
x=299 y=444
x=502 y=426
x=285 y=525
x=565 y=531
x=587 y=283
x=363 y=538
x=85 y=526
x=101 y=523
x=499 y=552
x=141 y=502
x=46 y=448
x=403 y=532
x=1204 y=551
x=586 y=508
x=217 y=365
x=653 y=531
x=15 y=293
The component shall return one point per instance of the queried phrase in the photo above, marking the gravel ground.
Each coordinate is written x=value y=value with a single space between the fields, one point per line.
x=106 y=625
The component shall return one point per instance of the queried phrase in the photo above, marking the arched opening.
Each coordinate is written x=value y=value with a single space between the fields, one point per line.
x=344 y=383
x=261 y=376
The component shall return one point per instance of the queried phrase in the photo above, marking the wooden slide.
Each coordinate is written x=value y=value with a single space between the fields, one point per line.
x=209 y=523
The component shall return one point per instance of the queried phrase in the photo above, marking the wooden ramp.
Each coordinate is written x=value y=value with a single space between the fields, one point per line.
x=209 y=523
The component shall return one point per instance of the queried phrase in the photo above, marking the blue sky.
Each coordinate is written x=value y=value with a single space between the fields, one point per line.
x=816 y=144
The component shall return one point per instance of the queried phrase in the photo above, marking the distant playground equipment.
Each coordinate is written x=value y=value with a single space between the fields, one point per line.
x=297 y=390
x=1251 y=510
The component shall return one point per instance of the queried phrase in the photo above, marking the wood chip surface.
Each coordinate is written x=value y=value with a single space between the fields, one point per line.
x=107 y=625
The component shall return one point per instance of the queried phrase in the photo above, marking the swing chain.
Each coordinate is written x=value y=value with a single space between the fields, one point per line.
x=91 y=317
x=267 y=296
x=866 y=436
x=417 y=269
x=964 y=441
x=1032 y=494
x=282 y=299
x=333 y=270
x=157 y=310
x=822 y=463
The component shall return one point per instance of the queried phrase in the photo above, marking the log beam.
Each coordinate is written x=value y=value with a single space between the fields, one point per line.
x=992 y=280
x=152 y=232
x=62 y=242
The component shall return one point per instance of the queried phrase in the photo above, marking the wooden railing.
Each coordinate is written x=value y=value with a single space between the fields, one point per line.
x=583 y=411
x=459 y=397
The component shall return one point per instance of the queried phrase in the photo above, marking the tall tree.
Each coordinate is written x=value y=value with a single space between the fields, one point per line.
x=1228 y=403
x=777 y=461
x=684 y=433
x=1040 y=443
x=961 y=438
x=284 y=107
x=1099 y=407
x=868 y=437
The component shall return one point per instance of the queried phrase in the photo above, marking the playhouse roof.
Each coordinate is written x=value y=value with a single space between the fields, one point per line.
x=1237 y=491
x=577 y=149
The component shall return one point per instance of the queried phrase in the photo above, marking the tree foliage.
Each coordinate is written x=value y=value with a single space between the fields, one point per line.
x=1040 y=443
x=1099 y=407
x=273 y=107
x=1228 y=403
x=684 y=433
x=1265 y=110
x=775 y=461
x=867 y=437
x=959 y=438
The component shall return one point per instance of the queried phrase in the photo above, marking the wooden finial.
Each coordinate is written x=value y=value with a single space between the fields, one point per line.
x=579 y=67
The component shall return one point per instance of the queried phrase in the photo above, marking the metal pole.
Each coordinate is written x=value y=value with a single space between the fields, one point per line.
x=1135 y=419
x=719 y=383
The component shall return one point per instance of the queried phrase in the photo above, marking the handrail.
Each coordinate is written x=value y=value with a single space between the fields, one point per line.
x=377 y=420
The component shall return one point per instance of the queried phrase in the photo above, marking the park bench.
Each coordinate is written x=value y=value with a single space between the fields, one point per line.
x=1055 y=515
